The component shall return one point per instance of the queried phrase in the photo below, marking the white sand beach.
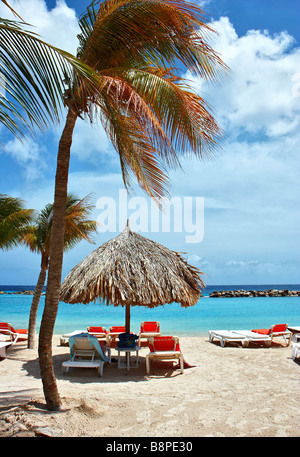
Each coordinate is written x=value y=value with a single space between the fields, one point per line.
x=233 y=392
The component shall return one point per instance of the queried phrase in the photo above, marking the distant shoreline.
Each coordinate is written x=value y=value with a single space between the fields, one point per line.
x=20 y=292
x=215 y=294
x=255 y=293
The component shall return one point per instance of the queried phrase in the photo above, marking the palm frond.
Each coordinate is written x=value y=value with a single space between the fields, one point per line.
x=180 y=120
x=37 y=236
x=148 y=111
x=13 y=219
x=11 y=9
x=30 y=239
x=145 y=31
x=137 y=152
x=35 y=76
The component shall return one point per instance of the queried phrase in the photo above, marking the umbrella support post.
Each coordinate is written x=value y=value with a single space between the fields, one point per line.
x=127 y=318
x=127 y=329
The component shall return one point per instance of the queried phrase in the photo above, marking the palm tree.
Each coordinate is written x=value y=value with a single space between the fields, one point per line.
x=147 y=110
x=32 y=74
x=13 y=220
x=37 y=238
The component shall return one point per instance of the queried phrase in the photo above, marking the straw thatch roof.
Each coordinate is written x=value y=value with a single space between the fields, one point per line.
x=131 y=269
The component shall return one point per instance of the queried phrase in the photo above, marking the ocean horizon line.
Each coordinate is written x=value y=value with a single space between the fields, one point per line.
x=206 y=291
x=208 y=285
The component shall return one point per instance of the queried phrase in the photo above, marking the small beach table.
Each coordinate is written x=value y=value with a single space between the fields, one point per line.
x=128 y=352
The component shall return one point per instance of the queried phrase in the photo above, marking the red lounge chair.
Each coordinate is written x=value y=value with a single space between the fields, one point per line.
x=98 y=332
x=149 y=329
x=164 y=348
x=276 y=330
x=114 y=332
x=20 y=334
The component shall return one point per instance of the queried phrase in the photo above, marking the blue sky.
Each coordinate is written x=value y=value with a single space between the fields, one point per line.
x=251 y=188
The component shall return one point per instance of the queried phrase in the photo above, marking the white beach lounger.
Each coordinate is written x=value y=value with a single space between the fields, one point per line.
x=254 y=337
x=225 y=336
x=4 y=345
x=64 y=339
x=295 y=346
x=86 y=352
x=240 y=336
x=294 y=329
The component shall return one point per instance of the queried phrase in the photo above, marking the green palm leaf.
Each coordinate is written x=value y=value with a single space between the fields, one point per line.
x=37 y=236
x=13 y=219
x=35 y=76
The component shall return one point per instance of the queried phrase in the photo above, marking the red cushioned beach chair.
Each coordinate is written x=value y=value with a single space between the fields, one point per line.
x=20 y=334
x=149 y=329
x=164 y=348
x=114 y=332
x=99 y=332
x=275 y=331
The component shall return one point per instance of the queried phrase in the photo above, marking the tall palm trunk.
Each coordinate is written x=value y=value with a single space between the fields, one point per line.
x=55 y=265
x=35 y=306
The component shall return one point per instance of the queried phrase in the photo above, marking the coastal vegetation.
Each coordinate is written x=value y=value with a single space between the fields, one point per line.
x=255 y=293
x=37 y=239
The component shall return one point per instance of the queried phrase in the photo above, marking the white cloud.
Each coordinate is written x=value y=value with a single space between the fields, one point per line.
x=257 y=172
x=90 y=143
x=28 y=155
x=241 y=263
x=259 y=96
x=58 y=26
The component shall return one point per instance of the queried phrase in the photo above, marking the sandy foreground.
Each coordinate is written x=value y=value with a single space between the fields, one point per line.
x=232 y=392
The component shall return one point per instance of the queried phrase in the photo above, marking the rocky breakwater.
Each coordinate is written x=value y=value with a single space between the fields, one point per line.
x=20 y=292
x=255 y=293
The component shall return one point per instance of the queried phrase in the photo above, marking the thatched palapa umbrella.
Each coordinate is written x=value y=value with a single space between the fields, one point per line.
x=131 y=270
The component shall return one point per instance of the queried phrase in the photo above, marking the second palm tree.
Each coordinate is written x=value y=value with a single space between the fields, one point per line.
x=37 y=238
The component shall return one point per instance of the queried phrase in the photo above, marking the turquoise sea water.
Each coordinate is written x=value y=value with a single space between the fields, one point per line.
x=209 y=313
